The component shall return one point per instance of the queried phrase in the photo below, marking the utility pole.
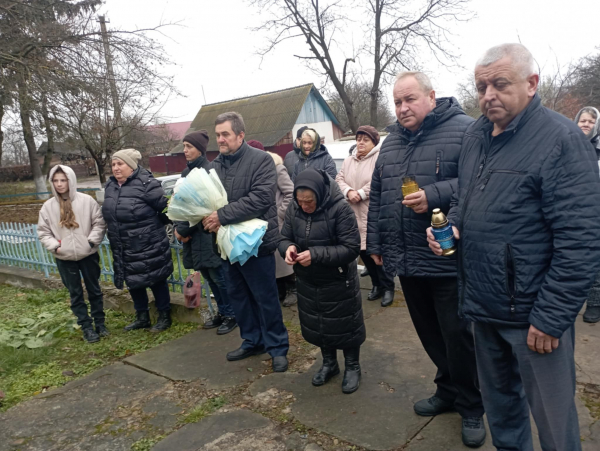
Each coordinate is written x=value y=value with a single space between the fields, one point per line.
x=109 y=68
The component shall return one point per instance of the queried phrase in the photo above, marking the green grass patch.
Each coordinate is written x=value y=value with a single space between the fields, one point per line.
x=63 y=355
x=146 y=444
x=203 y=410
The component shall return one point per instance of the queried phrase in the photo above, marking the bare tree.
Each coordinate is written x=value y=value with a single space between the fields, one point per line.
x=360 y=95
x=399 y=31
x=468 y=98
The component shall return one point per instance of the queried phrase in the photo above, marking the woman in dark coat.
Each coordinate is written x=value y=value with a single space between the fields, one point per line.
x=133 y=202
x=322 y=241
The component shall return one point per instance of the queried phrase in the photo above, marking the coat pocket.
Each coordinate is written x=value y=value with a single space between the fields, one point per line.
x=439 y=172
x=511 y=277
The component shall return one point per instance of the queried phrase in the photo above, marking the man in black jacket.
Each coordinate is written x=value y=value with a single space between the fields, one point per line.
x=199 y=245
x=425 y=143
x=528 y=189
x=250 y=179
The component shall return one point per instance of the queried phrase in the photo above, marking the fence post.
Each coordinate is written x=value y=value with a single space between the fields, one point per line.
x=41 y=252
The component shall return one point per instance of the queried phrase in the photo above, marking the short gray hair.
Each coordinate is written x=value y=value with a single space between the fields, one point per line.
x=422 y=79
x=518 y=54
x=589 y=110
x=235 y=119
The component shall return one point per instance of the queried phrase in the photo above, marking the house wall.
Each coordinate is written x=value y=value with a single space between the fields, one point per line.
x=313 y=111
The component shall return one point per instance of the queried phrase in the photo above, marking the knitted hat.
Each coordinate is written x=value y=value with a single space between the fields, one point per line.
x=131 y=157
x=371 y=132
x=256 y=144
x=300 y=131
x=198 y=139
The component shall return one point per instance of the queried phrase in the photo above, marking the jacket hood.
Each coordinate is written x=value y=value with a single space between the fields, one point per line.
x=596 y=129
x=373 y=151
x=332 y=193
x=446 y=107
x=71 y=177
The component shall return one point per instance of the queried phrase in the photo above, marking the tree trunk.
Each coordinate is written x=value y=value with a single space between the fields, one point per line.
x=49 y=137
x=25 y=113
x=377 y=74
x=1 y=132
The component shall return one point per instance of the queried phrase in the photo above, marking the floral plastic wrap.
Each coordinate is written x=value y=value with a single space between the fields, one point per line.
x=241 y=241
x=197 y=196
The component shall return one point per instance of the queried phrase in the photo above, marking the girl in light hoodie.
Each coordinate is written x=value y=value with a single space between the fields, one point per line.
x=71 y=226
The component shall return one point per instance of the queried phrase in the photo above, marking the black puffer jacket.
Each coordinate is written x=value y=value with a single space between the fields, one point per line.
x=431 y=155
x=317 y=159
x=527 y=215
x=329 y=300
x=250 y=179
x=199 y=252
x=291 y=158
x=140 y=246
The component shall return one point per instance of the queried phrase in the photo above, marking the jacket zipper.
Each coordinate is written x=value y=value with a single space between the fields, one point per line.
x=511 y=277
x=411 y=145
x=437 y=167
x=497 y=171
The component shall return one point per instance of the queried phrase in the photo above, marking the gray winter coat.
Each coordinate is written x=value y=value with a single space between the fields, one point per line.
x=250 y=180
x=431 y=155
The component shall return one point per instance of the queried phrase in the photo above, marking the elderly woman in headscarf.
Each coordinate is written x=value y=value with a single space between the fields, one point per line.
x=322 y=242
x=133 y=203
x=354 y=180
x=314 y=155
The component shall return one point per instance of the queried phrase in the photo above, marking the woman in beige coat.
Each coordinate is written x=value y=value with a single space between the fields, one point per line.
x=354 y=180
x=71 y=226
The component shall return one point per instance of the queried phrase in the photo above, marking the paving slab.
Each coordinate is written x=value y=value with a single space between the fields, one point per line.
x=200 y=355
x=587 y=351
x=67 y=417
x=238 y=430
x=379 y=416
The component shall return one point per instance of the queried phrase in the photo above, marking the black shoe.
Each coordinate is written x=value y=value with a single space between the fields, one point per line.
x=433 y=406
x=388 y=298
x=375 y=293
x=473 y=432
x=280 y=364
x=227 y=326
x=352 y=372
x=215 y=321
x=163 y=323
x=329 y=368
x=90 y=335
x=142 y=321
x=591 y=315
x=364 y=272
x=291 y=298
x=241 y=353
x=102 y=331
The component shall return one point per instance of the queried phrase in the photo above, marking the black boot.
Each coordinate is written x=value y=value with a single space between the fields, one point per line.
x=142 y=321
x=163 y=323
x=329 y=369
x=352 y=371
x=291 y=297
x=364 y=272
x=388 y=298
x=375 y=293
x=592 y=314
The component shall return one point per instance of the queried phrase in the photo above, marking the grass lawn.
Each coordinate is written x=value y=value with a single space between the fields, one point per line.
x=51 y=350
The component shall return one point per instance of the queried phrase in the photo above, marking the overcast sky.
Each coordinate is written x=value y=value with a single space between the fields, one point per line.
x=215 y=48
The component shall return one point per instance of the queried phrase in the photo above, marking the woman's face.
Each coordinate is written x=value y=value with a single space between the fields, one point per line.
x=364 y=143
x=121 y=170
x=307 y=145
x=307 y=201
x=61 y=183
x=586 y=123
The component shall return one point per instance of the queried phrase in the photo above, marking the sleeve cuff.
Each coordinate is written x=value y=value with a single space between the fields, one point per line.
x=346 y=190
x=362 y=193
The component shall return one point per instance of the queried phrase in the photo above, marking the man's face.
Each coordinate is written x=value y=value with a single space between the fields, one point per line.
x=503 y=91
x=412 y=104
x=586 y=123
x=227 y=140
x=307 y=201
x=190 y=151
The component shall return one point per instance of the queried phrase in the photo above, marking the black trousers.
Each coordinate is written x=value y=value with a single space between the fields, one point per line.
x=379 y=278
x=162 y=297
x=448 y=340
x=71 y=273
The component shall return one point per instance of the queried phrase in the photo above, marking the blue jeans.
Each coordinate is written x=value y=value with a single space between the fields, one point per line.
x=216 y=281
x=162 y=297
x=514 y=379
x=253 y=295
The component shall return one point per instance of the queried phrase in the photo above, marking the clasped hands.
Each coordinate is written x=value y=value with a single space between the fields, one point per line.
x=292 y=256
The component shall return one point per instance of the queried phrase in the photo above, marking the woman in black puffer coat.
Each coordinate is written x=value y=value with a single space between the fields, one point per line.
x=322 y=241
x=133 y=203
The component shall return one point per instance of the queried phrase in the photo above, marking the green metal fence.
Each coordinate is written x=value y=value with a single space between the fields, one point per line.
x=21 y=247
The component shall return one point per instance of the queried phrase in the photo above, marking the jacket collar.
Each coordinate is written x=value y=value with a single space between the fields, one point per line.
x=197 y=163
x=231 y=159
x=518 y=122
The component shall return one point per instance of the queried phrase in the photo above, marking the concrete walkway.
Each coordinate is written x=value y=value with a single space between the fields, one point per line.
x=150 y=399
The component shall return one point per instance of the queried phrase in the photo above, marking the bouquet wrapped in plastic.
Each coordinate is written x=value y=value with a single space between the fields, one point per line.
x=201 y=193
